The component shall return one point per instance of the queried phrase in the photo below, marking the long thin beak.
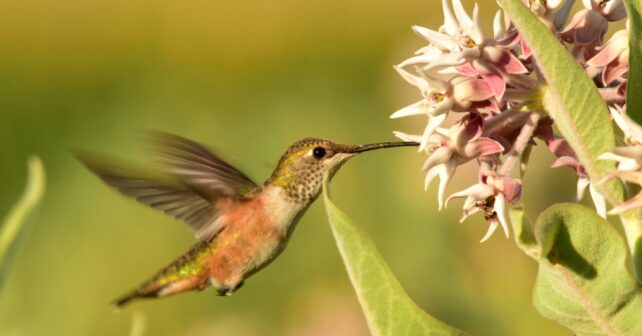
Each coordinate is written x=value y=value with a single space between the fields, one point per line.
x=368 y=147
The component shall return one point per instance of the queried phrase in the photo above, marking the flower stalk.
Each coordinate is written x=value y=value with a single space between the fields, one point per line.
x=521 y=142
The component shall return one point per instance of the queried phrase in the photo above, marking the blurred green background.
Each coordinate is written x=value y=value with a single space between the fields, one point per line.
x=247 y=77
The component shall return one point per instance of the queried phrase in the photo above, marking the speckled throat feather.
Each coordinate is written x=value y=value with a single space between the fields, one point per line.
x=298 y=178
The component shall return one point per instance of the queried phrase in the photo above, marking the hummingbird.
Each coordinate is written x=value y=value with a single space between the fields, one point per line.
x=240 y=226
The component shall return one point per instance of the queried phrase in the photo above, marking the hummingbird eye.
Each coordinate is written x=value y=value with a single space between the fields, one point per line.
x=318 y=152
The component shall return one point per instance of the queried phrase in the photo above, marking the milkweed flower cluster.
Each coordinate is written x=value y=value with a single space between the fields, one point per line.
x=481 y=96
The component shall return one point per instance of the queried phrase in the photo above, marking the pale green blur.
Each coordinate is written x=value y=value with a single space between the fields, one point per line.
x=248 y=78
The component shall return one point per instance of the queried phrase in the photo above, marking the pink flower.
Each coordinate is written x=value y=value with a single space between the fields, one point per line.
x=566 y=158
x=585 y=32
x=456 y=41
x=459 y=47
x=490 y=195
x=440 y=97
x=495 y=66
x=613 y=57
x=448 y=149
x=612 y=10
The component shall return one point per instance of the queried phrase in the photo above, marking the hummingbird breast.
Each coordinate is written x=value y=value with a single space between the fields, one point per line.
x=255 y=230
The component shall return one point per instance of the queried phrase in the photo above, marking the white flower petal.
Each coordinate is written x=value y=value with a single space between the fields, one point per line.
x=491 y=229
x=446 y=172
x=475 y=31
x=420 y=59
x=420 y=82
x=450 y=27
x=433 y=124
x=500 y=210
x=476 y=192
x=439 y=156
x=628 y=165
x=582 y=183
x=468 y=213
x=499 y=28
x=430 y=175
x=552 y=4
x=407 y=137
x=437 y=85
x=629 y=127
x=624 y=163
x=452 y=59
x=440 y=40
x=465 y=22
x=598 y=200
x=611 y=156
x=417 y=108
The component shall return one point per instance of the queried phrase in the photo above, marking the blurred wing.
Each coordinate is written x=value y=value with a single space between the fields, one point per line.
x=197 y=167
x=176 y=200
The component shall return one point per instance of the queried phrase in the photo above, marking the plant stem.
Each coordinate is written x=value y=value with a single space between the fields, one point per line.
x=505 y=122
x=520 y=144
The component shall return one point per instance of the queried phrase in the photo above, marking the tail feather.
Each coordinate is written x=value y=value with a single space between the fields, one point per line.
x=171 y=279
x=155 y=290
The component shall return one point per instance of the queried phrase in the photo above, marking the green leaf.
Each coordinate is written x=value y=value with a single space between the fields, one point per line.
x=582 y=281
x=387 y=307
x=18 y=217
x=524 y=236
x=579 y=111
x=634 y=83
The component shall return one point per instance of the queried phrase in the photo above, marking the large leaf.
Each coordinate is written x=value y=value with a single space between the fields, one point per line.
x=582 y=280
x=571 y=97
x=19 y=216
x=523 y=232
x=634 y=83
x=387 y=307
x=580 y=114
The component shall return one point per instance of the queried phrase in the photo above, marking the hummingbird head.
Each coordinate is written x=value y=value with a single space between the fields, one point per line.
x=302 y=167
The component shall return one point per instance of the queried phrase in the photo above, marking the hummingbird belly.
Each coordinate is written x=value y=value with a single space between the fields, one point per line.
x=249 y=241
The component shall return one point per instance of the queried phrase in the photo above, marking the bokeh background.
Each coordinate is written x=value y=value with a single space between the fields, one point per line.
x=247 y=77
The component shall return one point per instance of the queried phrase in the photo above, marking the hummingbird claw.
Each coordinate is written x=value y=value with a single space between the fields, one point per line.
x=228 y=291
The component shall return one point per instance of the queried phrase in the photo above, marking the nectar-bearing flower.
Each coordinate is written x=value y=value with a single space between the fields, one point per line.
x=613 y=58
x=585 y=33
x=628 y=158
x=442 y=97
x=490 y=195
x=483 y=99
x=612 y=10
x=447 y=149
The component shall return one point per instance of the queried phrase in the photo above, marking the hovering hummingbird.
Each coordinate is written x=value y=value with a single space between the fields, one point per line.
x=240 y=227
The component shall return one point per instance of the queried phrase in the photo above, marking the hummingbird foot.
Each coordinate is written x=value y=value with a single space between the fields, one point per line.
x=224 y=291
x=228 y=291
